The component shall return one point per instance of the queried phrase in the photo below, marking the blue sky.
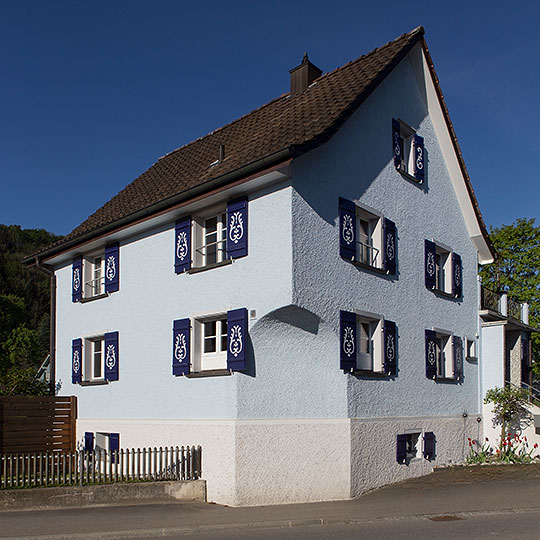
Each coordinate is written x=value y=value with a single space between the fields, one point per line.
x=93 y=93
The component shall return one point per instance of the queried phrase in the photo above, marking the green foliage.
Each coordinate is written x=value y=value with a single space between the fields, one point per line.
x=513 y=449
x=517 y=271
x=24 y=311
x=22 y=381
x=509 y=405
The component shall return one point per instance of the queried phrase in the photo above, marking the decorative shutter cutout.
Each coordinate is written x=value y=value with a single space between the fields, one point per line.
x=429 y=445
x=347 y=229
x=181 y=346
x=457 y=276
x=182 y=245
x=430 y=265
x=237 y=335
x=347 y=341
x=396 y=143
x=389 y=246
x=88 y=441
x=111 y=356
x=431 y=354
x=76 y=280
x=457 y=347
x=112 y=268
x=237 y=228
x=76 y=361
x=401 y=449
x=390 y=347
x=419 y=153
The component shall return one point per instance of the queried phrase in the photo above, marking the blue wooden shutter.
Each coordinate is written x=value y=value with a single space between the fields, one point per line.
x=237 y=339
x=457 y=347
x=111 y=356
x=181 y=346
x=429 y=445
x=76 y=279
x=182 y=245
x=401 y=448
x=430 y=264
x=347 y=340
x=396 y=143
x=431 y=354
x=112 y=268
x=114 y=445
x=88 y=441
x=457 y=276
x=390 y=347
x=237 y=228
x=419 y=154
x=347 y=229
x=389 y=246
x=76 y=361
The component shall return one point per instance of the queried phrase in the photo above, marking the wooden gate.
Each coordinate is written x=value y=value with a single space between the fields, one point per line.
x=37 y=424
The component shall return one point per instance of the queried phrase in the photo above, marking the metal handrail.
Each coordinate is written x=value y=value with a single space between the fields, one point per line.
x=371 y=249
x=216 y=243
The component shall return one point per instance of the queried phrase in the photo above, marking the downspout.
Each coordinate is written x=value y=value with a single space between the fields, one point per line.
x=52 y=338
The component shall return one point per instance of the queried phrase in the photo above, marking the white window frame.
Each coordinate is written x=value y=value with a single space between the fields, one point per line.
x=471 y=345
x=201 y=245
x=89 y=352
x=369 y=250
x=414 y=446
x=443 y=269
x=444 y=353
x=209 y=361
x=373 y=360
x=406 y=135
x=94 y=286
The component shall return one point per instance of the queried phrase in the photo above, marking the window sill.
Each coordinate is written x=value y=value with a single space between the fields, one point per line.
x=93 y=383
x=209 y=266
x=444 y=294
x=365 y=266
x=369 y=373
x=208 y=373
x=408 y=176
x=92 y=298
x=446 y=380
x=471 y=358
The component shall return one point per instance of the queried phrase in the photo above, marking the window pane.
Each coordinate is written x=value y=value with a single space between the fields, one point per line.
x=223 y=335
x=210 y=345
x=211 y=225
x=365 y=338
x=97 y=359
x=210 y=337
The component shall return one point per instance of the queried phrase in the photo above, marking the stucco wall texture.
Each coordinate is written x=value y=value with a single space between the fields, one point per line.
x=294 y=427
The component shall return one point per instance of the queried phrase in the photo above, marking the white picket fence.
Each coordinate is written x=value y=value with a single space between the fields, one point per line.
x=100 y=466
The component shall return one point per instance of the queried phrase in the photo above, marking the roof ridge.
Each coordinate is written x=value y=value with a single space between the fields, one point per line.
x=418 y=29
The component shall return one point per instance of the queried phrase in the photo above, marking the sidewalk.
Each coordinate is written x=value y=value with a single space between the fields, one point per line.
x=441 y=495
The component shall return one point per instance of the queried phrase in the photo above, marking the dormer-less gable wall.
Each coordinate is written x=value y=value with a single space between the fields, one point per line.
x=357 y=164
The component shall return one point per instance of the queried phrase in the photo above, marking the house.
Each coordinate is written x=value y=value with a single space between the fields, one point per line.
x=294 y=291
x=506 y=360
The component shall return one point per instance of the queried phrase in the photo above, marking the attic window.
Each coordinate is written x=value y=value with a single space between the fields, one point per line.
x=408 y=148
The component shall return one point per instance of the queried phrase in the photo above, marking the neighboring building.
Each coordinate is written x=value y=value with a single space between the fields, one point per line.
x=293 y=292
x=506 y=359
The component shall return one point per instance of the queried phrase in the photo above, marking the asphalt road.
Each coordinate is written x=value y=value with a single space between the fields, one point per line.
x=470 y=503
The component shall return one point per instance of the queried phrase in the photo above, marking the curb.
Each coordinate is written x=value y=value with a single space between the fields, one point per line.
x=280 y=524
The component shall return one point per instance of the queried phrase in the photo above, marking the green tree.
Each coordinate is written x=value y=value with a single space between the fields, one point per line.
x=509 y=408
x=517 y=271
x=24 y=311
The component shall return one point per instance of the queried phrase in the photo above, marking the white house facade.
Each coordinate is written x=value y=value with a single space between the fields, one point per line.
x=304 y=313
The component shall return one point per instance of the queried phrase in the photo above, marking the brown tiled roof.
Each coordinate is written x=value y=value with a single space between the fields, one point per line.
x=284 y=127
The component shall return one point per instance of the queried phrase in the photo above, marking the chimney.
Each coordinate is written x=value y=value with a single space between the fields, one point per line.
x=303 y=75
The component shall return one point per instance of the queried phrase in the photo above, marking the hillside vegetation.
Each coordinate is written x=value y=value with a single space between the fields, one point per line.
x=24 y=310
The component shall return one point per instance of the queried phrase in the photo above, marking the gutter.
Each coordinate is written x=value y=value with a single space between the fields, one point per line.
x=262 y=163
x=52 y=328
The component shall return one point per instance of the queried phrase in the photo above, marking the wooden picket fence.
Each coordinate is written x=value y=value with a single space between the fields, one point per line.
x=100 y=466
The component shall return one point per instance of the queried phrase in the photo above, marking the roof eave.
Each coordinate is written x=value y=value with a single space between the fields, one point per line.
x=246 y=170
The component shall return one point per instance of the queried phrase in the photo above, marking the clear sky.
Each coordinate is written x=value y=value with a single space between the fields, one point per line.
x=93 y=93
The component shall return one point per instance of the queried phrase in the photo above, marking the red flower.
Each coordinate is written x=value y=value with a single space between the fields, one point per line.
x=525 y=439
x=535 y=445
x=474 y=442
x=487 y=439
x=469 y=439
